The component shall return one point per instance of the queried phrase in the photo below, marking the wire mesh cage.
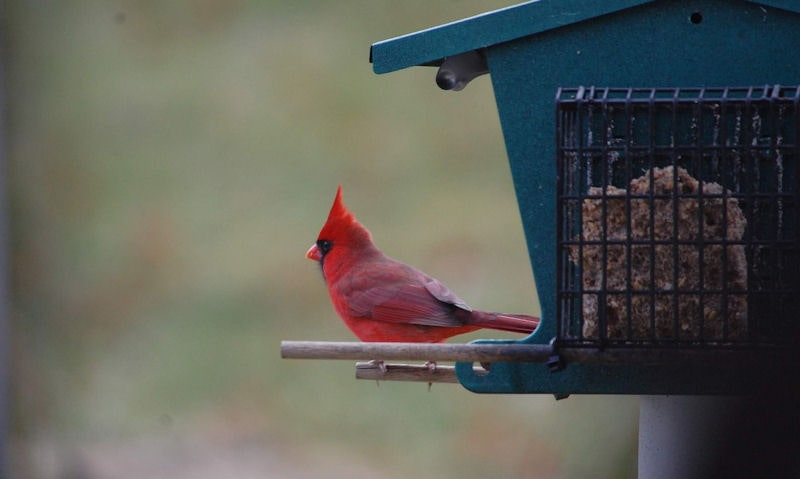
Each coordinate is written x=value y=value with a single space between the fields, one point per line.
x=678 y=216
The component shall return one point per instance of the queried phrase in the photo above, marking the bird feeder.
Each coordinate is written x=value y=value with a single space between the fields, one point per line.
x=653 y=148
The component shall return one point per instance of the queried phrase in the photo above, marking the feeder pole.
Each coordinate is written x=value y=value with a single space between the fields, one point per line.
x=700 y=437
x=4 y=269
x=679 y=436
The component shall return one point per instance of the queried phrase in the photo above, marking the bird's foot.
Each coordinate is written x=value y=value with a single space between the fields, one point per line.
x=378 y=363
x=431 y=365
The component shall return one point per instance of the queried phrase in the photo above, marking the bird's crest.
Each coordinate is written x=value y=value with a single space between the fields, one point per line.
x=342 y=222
x=338 y=210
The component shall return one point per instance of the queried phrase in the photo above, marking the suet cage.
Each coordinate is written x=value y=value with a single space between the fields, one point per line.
x=678 y=214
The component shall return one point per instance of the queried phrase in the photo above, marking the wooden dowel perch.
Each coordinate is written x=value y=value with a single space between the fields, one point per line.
x=532 y=353
x=486 y=353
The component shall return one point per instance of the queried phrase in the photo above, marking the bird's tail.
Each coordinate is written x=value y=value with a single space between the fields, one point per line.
x=515 y=323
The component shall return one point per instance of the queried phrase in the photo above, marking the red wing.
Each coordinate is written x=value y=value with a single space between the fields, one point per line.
x=417 y=299
x=443 y=293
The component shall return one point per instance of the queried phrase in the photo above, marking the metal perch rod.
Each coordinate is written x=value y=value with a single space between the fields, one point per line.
x=504 y=352
x=407 y=372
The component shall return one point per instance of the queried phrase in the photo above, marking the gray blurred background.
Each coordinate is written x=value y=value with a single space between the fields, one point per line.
x=169 y=165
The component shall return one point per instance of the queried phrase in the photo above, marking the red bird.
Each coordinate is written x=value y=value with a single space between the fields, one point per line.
x=381 y=299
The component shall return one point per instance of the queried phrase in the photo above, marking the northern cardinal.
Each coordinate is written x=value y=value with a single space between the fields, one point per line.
x=381 y=299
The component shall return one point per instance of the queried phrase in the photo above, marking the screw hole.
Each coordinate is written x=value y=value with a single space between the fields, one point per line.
x=696 y=18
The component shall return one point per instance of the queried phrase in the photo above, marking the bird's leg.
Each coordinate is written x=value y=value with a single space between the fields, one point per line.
x=378 y=363
x=431 y=365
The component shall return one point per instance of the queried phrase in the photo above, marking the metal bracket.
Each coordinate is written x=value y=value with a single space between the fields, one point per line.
x=556 y=364
x=554 y=361
x=456 y=71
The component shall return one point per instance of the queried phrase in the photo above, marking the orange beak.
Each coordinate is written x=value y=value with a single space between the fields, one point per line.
x=314 y=253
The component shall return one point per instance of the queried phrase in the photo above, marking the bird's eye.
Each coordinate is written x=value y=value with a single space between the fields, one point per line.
x=324 y=246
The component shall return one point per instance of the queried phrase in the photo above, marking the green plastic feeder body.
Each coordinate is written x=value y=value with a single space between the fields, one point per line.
x=533 y=49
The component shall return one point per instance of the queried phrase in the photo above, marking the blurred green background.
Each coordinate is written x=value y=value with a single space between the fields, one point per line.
x=169 y=165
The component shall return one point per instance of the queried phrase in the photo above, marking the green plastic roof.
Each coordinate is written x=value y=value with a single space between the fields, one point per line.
x=432 y=45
